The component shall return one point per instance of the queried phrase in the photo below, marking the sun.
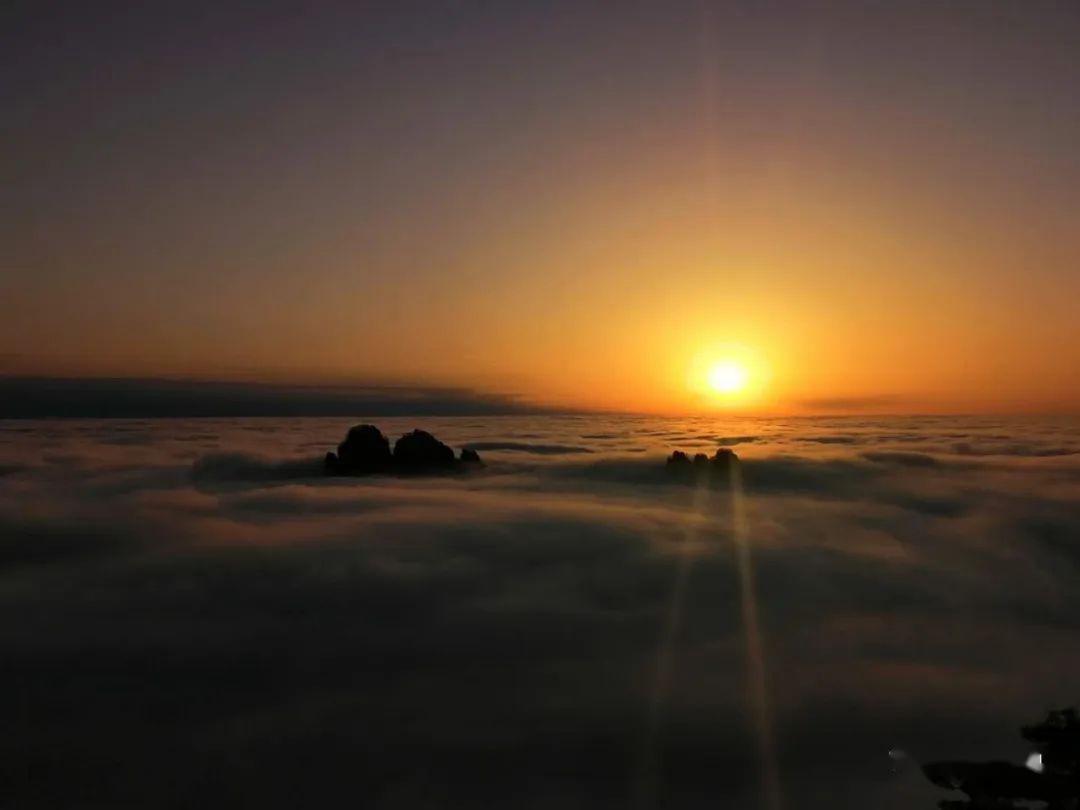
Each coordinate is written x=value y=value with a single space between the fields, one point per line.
x=727 y=377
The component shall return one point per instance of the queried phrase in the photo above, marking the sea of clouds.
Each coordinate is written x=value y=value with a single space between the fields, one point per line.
x=191 y=616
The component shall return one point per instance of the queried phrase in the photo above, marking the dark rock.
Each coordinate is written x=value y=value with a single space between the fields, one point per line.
x=725 y=461
x=678 y=459
x=702 y=469
x=365 y=450
x=419 y=451
x=1002 y=781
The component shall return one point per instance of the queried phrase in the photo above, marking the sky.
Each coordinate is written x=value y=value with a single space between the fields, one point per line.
x=865 y=206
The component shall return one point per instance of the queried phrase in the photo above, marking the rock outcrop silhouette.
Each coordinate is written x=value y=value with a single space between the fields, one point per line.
x=1051 y=776
x=419 y=451
x=701 y=468
x=366 y=451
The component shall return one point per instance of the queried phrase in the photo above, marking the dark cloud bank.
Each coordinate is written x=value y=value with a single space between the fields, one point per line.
x=40 y=397
x=236 y=630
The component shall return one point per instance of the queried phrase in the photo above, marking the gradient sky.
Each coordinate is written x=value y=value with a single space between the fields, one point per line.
x=872 y=204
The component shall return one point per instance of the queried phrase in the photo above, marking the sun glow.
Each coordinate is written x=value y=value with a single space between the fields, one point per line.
x=727 y=377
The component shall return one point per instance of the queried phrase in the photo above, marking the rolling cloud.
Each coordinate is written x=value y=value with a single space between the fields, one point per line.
x=492 y=639
x=537 y=449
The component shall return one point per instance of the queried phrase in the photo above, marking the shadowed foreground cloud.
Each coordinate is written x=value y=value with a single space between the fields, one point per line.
x=210 y=623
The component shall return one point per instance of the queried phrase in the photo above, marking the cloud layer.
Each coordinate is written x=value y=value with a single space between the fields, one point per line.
x=191 y=616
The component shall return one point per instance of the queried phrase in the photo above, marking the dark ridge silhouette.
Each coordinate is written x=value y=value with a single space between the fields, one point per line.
x=1051 y=777
x=131 y=398
x=719 y=468
x=366 y=451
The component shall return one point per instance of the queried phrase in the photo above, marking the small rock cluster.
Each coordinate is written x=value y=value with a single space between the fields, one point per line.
x=366 y=451
x=721 y=466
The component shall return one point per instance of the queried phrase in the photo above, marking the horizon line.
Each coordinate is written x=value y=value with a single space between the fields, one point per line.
x=28 y=397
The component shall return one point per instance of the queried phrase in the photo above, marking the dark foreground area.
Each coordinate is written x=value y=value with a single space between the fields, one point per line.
x=192 y=614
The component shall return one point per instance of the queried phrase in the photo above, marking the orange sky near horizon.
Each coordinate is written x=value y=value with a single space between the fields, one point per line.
x=876 y=211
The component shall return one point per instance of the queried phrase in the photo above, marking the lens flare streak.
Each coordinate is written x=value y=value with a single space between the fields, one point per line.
x=649 y=770
x=650 y=765
x=757 y=684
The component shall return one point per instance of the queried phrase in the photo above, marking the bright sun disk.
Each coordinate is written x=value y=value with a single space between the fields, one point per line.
x=727 y=377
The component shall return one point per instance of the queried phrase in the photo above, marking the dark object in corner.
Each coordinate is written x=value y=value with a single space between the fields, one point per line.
x=366 y=451
x=1057 y=739
x=719 y=468
x=1000 y=785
